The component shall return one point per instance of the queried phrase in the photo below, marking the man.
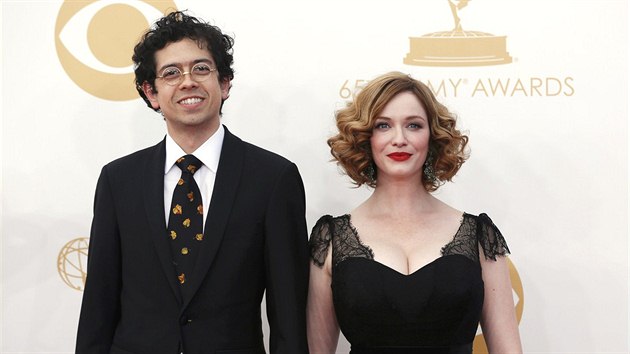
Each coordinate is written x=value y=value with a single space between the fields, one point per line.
x=188 y=234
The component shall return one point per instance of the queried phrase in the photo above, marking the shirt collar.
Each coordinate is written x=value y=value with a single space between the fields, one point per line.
x=208 y=153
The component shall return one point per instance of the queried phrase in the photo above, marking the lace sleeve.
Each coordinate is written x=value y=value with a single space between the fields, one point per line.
x=319 y=241
x=490 y=238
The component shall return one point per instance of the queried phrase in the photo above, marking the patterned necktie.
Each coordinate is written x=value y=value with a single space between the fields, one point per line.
x=185 y=222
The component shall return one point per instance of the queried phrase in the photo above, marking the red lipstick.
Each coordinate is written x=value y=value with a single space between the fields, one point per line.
x=399 y=156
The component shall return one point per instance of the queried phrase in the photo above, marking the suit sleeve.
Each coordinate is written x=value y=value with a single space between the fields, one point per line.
x=100 y=309
x=287 y=265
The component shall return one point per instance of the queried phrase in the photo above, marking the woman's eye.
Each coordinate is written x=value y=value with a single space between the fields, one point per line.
x=381 y=126
x=414 y=126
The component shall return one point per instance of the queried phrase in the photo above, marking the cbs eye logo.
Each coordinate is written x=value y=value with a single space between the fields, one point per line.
x=95 y=40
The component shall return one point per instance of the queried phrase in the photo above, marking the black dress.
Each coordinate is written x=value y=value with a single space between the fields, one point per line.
x=435 y=309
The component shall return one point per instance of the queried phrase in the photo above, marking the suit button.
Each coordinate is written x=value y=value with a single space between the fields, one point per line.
x=184 y=320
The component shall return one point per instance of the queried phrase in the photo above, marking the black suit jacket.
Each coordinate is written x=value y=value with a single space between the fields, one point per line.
x=255 y=240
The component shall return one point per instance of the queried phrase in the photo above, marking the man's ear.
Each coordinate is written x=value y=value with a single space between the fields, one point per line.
x=226 y=85
x=151 y=95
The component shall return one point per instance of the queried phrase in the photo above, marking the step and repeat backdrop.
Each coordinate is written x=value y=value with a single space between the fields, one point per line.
x=540 y=86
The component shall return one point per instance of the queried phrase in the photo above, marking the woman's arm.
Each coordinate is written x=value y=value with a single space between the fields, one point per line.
x=321 y=322
x=498 y=318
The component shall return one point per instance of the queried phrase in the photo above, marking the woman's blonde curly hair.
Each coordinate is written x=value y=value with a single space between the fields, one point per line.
x=351 y=146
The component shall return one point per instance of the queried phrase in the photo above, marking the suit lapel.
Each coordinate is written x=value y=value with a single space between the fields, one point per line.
x=224 y=192
x=154 y=208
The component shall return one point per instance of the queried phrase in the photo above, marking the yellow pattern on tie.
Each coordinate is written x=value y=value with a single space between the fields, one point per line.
x=185 y=224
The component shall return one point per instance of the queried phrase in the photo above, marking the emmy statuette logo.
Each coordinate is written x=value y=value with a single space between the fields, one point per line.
x=95 y=40
x=457 y=47
x=72 y=263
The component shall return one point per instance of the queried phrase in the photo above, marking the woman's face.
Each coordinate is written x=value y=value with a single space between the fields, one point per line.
x=400 y=139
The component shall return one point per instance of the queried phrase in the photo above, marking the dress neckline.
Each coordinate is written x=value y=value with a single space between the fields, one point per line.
x=348 y=217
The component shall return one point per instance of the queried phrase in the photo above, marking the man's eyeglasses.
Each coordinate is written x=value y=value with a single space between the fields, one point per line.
x=174 y=76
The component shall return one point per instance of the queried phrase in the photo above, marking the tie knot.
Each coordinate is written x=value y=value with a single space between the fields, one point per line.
x=188 y=163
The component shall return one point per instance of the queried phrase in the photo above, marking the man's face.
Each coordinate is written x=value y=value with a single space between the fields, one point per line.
x=193 y=104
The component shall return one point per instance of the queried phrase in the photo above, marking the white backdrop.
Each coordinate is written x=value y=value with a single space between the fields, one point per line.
x=550 y=166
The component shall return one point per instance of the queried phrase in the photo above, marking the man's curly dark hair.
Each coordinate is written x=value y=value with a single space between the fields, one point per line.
x=172 y=28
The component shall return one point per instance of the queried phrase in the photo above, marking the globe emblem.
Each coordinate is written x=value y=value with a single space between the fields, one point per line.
x=72 y=263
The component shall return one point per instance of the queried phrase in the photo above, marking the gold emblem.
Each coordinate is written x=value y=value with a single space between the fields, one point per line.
x=111 y=32
x=190 y=196
x=192 y=168
x=182 y=278
x=199 y=237
x=177 y=210
x=186 y=222
x=180 y=182
x=72 y=263
x=457 y=47
x=184 y=251
x=200 y=209
x=173 y=235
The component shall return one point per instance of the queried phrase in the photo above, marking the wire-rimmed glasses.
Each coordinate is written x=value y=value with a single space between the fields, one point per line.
x=173 y=75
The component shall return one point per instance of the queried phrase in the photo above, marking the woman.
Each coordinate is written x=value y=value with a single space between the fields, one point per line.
x=406 y=272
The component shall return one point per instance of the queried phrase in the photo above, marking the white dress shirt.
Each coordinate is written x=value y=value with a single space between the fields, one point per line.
x=208 y=153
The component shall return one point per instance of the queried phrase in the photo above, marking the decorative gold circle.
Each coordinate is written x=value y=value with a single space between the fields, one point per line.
x=479 y=345
x=114 y=87
x=113 y=45
x=72 y=262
